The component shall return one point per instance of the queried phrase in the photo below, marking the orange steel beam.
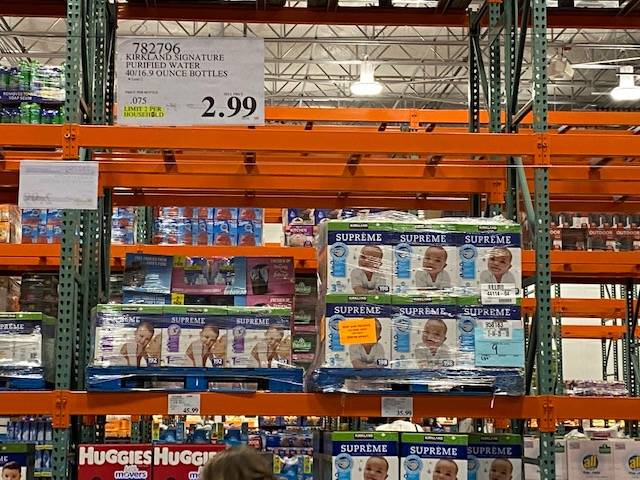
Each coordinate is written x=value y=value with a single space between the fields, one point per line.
x=595 y=332
x=255 y=199
x=548 y=410
x=334 y=405
x=459 y=117
x=282 y=140
x=397 y=16
x=568 y=265
x=580 y=307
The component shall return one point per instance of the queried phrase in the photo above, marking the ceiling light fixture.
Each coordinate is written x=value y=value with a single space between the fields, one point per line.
x=627 y=90
x=367 y=86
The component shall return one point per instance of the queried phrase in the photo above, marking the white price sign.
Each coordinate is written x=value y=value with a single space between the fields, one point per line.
x=184 y=404
x=498 y=329
x=190 y=81
x=499 y=293
x=69 y=185
x=397 y=407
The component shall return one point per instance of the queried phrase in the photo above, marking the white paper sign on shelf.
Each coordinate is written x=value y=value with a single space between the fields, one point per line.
x=190 y=81
x=499 y=293
x=184 y=404
x=70 y=185
x=397 y=407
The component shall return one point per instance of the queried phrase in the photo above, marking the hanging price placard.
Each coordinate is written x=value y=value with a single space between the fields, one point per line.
x=190 y=81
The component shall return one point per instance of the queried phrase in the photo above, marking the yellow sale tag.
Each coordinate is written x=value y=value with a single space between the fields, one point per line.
x=177 y=298
x=179 y=261
x=357 y=331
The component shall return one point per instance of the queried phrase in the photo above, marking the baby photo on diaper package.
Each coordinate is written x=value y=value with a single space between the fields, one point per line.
x=495 y=457
x=259 y=337
x=490 y=256
x=194 y=336
x=359 y=258
x=429 y=456
x=375 y=354
x=425 y=259
x=425 y=335
x=364 y=456
x=127 y=335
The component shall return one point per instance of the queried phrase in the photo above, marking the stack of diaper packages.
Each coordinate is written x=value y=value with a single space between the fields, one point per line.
x=191 y=336
x=433 y=295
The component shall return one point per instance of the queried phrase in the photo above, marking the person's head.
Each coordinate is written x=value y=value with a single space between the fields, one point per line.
x=499 y=260
x=209 y=335
x=376 y=468
x=445 y=470
x=434 y=333
x=144 y=333
x=237 y=463
x=435 y=259
x=501 y=469
x=11 y=471
x=274 y=336
x=370 y=257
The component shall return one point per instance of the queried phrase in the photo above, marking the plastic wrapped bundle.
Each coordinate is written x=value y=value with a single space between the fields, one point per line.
x=27 y=345
x=421 y=306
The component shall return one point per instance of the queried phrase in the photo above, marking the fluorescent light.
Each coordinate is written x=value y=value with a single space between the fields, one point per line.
x=367 y=86
x=627 y=90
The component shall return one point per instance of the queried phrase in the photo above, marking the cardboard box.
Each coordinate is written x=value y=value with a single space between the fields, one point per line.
x=270 y=276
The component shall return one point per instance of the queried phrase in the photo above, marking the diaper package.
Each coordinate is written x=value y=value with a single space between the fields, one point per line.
x=210 y=276
x=26 y=342
x=498 y=335
x=346 y=313
x=142 y=298
x=425 y=259
x=356 y=257
x=424 y=334
x=147 y=273
x=364 y=455
x=250 y=227
x=258 y=337
x=489 y=253
x=495 y=456
x=590 y=459
x=282 y=301
x=429 y=456
x=626 y=459
x=270 y=276
x=225 y=213
x=225 y=232
x=127 y=335
x=194 y=336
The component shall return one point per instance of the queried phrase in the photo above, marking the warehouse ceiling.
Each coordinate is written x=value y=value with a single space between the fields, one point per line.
x=420 y=67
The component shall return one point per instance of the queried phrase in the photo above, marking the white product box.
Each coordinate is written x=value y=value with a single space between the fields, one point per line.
x=358 y=257
x=345 y=307
x=194 y=336
x=626 y=459
x=429 y=456
x=425 y=259
x=259 y=337
x=425 y=335
x=495 y=456
x=590 y=459
x=364 y=456
x=128 y=335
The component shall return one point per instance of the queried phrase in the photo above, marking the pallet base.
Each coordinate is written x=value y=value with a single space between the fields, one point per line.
x=195 y=379
x=409 y=382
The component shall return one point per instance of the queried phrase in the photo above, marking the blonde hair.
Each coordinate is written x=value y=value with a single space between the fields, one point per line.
x=237 y=463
